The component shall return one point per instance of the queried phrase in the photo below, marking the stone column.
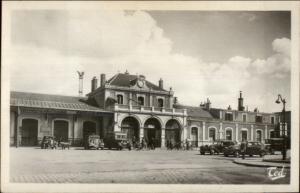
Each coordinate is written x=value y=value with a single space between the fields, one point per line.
x=163 y=134
x=141 y=133
x=252 y=133
x=199 y=139
x=17 y=128
x=203 y=129
x=221 y=131
x=266 y=132
x=237 y=132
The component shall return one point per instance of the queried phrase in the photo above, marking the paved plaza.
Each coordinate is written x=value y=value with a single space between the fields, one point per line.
x=34 y=165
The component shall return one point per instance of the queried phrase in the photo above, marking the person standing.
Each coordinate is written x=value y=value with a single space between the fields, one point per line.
x=243 y=148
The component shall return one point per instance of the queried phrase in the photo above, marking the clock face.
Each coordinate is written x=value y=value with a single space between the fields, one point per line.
x=140 y=83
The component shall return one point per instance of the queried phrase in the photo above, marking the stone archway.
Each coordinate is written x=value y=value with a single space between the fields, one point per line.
x=173 y=132
x=130 y=125
x=29 y=132
x=152 y=132
x=61 y=130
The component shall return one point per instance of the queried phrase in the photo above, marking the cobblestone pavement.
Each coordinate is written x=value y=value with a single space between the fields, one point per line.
x=149 y=167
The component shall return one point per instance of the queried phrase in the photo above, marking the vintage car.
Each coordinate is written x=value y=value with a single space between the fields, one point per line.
x=274 y=144
x=252 y=148
x=93 y=141
x=217 y=147
x=48 y=142
x=117 y=140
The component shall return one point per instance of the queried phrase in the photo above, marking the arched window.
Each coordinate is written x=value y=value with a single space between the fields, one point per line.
x=160 y=102
x=228 y=134
x=120 y=99
x=212 y=134
x=258 y=135
x=141 y=100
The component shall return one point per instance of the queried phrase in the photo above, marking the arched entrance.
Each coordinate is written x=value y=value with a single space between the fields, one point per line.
x=29 y=132
x=89 y=128
x=130 y=126
x=194 y=136
x=173 y=132
x=152 y=132
x=61 y=130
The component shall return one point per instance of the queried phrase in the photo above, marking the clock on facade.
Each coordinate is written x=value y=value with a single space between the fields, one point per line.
x=140 y=83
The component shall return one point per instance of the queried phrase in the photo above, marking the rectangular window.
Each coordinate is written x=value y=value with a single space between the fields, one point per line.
x=272 y=120
x=228 y=117
x=258 y=119
x=244 y=118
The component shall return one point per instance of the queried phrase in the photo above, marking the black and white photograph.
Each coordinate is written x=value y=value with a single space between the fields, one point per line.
x=150 y=96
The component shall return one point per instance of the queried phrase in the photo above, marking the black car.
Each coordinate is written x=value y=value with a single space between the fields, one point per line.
x=252 y=148
x=217 y=147
x=274 y=144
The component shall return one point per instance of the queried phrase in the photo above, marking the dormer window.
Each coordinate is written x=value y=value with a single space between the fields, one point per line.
x=160 y=102
x=228 y=116
x=120 y=99
x=258 y=119
x=141 y=100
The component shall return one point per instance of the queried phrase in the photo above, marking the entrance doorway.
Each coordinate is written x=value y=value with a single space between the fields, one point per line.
x=61 y=130
x=89 y=128
x=130 y=126
x=152 y=132
x=194 y=136
x=29 y=132
x=244 y=135
x=173 y=132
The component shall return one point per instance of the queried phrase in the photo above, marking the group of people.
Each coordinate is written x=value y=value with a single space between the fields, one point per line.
x=181 y=145
x=144 y=144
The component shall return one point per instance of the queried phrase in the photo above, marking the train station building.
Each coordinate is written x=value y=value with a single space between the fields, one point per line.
x=132 y=104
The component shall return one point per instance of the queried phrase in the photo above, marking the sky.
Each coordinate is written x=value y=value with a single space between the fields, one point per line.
x=200 y=54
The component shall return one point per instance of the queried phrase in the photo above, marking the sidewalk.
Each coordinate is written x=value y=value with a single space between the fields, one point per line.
x=266 y=161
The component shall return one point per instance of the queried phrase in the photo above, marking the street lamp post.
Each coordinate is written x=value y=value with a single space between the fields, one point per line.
x=283 y=101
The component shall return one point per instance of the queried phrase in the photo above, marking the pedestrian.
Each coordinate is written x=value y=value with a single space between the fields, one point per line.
x=243 y=148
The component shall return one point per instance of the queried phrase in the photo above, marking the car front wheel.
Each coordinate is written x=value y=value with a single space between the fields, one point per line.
x=212 y=152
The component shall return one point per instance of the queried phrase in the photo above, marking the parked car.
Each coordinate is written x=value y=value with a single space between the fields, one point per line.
x=217 y=147
x=117 y=140
x=93 y=141
x=48 y=142
x=253 y=148
x=274 y=144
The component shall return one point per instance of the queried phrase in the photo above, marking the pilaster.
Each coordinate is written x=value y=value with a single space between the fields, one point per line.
x=237 y=132
x=252 y=133
x=163 y=134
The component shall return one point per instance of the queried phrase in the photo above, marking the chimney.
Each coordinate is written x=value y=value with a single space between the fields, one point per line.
x=80 y=76
x=175 y=101
x=94 y=83
x=103 y=80
x=240 y=102
x=161 y=83
x=207 y=104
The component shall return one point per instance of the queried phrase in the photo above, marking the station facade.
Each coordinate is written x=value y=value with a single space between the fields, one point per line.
x=131 y=104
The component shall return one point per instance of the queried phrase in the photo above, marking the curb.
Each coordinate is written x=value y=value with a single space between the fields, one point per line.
x=259 y=164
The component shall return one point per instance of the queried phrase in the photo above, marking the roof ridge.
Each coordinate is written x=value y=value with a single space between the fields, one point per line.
x=48 y=94
x=113 y=78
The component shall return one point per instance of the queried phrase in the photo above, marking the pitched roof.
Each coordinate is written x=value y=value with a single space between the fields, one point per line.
x=126 y=80
x=195 y=111
x=48 y=101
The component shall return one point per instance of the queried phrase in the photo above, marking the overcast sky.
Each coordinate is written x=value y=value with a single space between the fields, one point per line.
x=199 y=54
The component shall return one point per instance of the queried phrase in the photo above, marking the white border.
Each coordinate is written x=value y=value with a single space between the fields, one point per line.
x=180 y=5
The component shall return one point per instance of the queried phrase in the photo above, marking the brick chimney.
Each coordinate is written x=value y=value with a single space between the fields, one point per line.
x=161 y=83
x=103 y=80
x=94 y=84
